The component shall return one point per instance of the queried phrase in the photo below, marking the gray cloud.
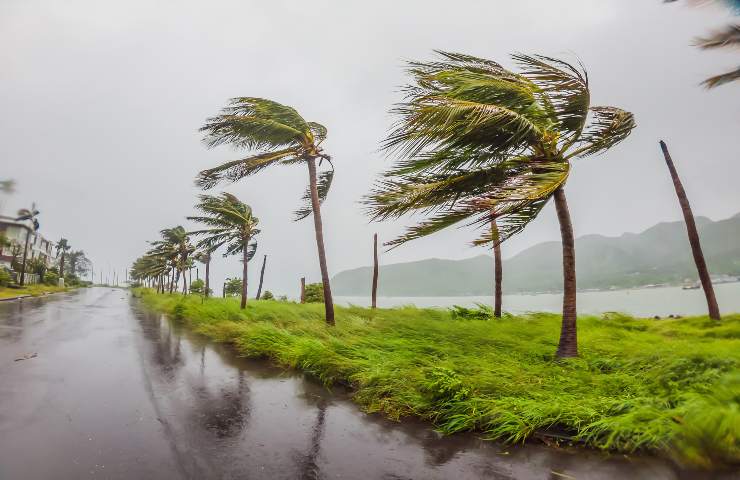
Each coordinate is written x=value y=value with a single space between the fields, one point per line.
x=101 y=102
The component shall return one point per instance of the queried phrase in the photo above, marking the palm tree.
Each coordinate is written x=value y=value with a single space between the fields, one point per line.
x=27 y=215
x=230 y=223
x=478 y=142
x=277 y=135
x=175 y=245
x=204 y=257
x=62 y=247
x=701 y=264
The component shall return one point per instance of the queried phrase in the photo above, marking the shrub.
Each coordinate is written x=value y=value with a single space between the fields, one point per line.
x=198 y=286
x=315 y=293
x=51 y=278
x=4 y=277
x=481 y=312
x=268 y=295
x=233 y=287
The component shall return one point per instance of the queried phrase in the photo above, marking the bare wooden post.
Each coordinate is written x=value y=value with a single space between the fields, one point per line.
x=688 y=216
x=262 y=277
x=497 y=269
x=303 y=289
x=375 y=272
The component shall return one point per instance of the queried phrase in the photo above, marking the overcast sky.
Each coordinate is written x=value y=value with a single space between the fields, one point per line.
x=100 y=102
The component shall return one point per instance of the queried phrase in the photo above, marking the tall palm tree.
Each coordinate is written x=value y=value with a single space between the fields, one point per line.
x=62 y=247
x=27 y=215
x=230 y=223
x=277 y=135
x=478 y=142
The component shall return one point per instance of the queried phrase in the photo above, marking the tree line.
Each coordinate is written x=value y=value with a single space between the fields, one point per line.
x=474 y=143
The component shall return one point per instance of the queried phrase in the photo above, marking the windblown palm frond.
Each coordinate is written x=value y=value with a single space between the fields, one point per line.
x=279 y=135
x=476 y=141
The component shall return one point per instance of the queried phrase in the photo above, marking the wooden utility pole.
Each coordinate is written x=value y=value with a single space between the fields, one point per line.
x=688 y=216
x=375 y=272
x=262 y=277
x=303 y=289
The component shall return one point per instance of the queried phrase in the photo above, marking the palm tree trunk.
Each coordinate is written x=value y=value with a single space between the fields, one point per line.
x=244 y=274
x=688 y=216
x=262 y=277
x=61 y=266
x=497 y=269
x=375 y=272
x=208 y=276
x=23 y=267
x=303 y=289
x=568 y=346
x=316 y=207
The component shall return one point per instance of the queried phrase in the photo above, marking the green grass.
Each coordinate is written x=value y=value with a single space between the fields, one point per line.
x=663 y=386
x=32 y=290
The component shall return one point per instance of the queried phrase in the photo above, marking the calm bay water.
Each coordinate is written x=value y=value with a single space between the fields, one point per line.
x=639 y=302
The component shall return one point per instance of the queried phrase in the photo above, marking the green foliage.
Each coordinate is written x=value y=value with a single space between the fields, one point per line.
x=5 y=277
x=197 y=286
x=231 y=224
x=51 y=277
x=481 y=312
x=233 y=287
x=669 y=386
x=276 y=134
x=268 y=295
x=476 y=140
x=315 y=293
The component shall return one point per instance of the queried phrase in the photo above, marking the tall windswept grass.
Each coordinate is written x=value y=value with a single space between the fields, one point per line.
x=663 y=386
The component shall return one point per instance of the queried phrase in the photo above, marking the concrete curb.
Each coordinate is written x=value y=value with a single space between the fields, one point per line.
x=10 y=299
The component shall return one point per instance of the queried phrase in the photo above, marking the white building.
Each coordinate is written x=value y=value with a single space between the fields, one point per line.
x=17 y=232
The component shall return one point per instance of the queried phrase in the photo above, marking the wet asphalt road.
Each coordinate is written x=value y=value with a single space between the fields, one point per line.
x=116 y=392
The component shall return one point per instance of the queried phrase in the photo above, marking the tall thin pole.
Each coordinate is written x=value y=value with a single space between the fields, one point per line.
x=262 y=277
x=693 y=233
x=303 y=289
x=375 y=272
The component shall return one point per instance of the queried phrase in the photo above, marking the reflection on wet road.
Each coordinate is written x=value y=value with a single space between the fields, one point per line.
x=116 y=392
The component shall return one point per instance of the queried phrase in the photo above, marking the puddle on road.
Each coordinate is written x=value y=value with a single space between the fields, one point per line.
x=230 y=417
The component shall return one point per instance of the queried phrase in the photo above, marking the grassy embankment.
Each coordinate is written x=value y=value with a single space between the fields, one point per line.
x=32 y=290
x=667 y=386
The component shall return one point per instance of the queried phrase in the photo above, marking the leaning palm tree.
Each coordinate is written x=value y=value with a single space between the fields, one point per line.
x=230 y=223
x=478 y=142
x=27 y=215
x=277 y=135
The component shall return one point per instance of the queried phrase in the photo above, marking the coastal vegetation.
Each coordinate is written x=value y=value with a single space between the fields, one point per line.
x=668 y=387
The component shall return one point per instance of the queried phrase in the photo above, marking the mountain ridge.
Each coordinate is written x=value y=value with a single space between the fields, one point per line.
x=659 y=254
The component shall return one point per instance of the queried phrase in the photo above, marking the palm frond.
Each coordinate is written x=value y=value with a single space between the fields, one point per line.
x=323 y=185
x=609 y=126
x=238 y=169
x=565 y=88
x=722 y=78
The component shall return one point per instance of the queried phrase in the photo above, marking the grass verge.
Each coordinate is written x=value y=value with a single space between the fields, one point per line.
x=663 y=386
x=33 y=290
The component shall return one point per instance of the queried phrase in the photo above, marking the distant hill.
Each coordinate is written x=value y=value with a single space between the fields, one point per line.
x=660 y=254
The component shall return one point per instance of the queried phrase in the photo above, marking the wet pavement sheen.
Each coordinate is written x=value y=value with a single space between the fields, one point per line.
x=116 y=392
